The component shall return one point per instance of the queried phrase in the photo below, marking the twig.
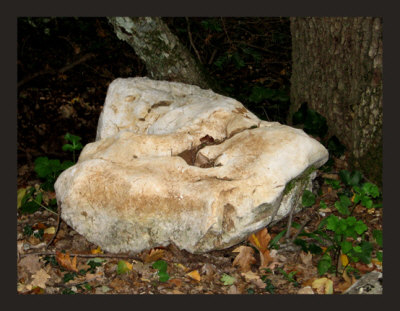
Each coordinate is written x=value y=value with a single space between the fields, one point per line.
x=212 y=56
x=53 y=253
x=191 y=41
x=58 y=227
x=301 y=229
x=53 y=71
x=229 y=39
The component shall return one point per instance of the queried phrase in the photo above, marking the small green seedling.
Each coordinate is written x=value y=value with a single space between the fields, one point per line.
x=365 y=194
x=290 y=276
x=161 y=266
x=74 y=145
x=270 y=287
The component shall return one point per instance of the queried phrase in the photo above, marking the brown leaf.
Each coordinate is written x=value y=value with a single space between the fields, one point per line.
x=40 y=278
x=154 y=255
x=245 y=258
x=30 y=263
x=65 y=261
x=250 y=275
x=260 y=240
x=306 y=258
x=176 y=282
x=363 y=268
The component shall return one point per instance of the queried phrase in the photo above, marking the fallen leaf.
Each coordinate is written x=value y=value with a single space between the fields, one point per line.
x=250 y=275
x=175 y=282
x=155 y=254
x=39 y=226
x=20 y=195
x=306 y=258
x=342 y=286
x=323 y=286
x=344 y=259
x=182 y=267
x=208 y=269
x=245 y=258
x=305 y=290
x=363 y=268
x=261 y=240
x=40 y=279
x=194 y=275
x=65 y=261
x=50 y=230
x=259 y=283
x=233 y=290
x=96 y=251
x=124 y=267
x=227 y=279
x=30 y=263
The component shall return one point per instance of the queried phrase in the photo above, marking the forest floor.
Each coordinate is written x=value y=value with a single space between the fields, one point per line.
x=62 y=261
x=64 y=69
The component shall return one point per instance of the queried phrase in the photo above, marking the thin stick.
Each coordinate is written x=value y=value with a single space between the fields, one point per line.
x=52 y=253
x=191 y=41
x=58 y=227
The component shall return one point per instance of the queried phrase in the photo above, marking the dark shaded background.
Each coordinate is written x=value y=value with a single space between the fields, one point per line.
x=66 y=64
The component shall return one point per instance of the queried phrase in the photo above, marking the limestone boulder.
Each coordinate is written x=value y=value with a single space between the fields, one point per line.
x=173 y=163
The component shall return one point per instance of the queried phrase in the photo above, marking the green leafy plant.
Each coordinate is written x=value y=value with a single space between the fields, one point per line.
x=50 y=169
x=161 y=266
x=74 y=145
x=350 y=178
x=33 y=201
x=290 y=276
x=365 y=194
x=270 y=287
x=308 y=198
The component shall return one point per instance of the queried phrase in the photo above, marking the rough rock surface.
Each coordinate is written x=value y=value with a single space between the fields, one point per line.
x=173 y=163
x=370 y=283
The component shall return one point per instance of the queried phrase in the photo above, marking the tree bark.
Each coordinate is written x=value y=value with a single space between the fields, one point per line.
x=337 y=70
x=165 y=57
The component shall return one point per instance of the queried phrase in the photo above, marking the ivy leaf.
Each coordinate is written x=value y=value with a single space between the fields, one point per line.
x=332 y=222
x=308 y=198
x=350 y=179
x=343 y=204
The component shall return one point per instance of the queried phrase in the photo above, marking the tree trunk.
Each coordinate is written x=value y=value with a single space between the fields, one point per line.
x=337 y=70
x=165 y=57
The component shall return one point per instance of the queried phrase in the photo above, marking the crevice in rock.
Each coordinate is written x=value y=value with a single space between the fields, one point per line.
x=194 y=158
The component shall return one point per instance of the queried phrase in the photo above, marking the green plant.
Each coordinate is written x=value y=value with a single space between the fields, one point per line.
x=161 y=266
x=290 y=276
x=308 y=198
x=74 y=145
x=365 y=194
x=270 y=287
x=50 y=169
x=33 y=201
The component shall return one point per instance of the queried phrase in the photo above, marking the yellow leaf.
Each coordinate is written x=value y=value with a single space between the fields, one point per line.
x=323 y=286
x=97 y=250
x=194 y=275
x=129 y=265
x=344 y=259
x=180 y=266
x=20 y=195
x=50 y=230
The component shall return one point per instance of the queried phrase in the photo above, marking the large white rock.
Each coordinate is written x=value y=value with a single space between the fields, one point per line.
x=173 y=163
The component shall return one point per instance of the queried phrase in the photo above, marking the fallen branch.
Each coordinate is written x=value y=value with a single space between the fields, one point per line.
x=53 y=71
